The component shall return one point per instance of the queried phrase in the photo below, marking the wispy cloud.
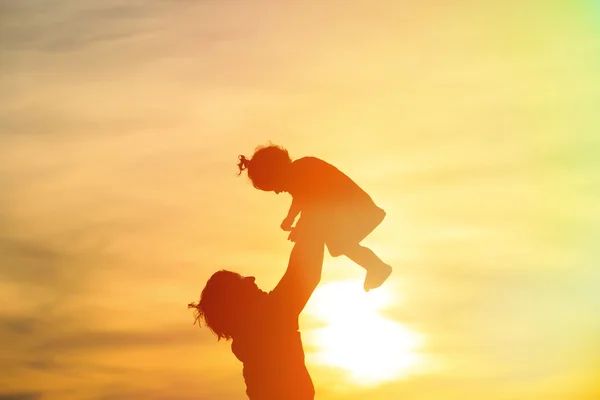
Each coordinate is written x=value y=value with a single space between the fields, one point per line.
x=22 y=396
x=65 y=26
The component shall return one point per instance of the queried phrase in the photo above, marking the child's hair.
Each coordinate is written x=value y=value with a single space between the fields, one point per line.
x=265 y=165
x=216 y=302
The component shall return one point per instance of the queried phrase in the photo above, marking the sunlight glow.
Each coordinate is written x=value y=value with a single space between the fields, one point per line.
x=356 y=338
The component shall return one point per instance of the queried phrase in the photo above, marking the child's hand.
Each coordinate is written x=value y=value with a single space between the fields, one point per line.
x=292 y=235
x=287 y=223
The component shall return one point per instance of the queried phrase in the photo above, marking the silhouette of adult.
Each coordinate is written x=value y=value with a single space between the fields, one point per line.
x=263 y=326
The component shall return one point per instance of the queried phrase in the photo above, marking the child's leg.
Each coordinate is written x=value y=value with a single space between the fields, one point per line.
x=377 y=270
x=363 y=256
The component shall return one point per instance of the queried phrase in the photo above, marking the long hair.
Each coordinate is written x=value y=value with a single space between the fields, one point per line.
x=265 y=165
x=217 y=304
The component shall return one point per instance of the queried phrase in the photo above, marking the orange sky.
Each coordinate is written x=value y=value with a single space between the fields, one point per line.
x=474 y=126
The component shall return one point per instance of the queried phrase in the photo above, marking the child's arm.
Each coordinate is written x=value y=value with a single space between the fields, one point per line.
x=293 y=212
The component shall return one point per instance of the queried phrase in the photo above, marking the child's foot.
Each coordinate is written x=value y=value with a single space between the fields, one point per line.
x=376 y=276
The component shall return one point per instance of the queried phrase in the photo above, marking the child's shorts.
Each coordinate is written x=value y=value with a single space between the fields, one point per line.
x=342 y=226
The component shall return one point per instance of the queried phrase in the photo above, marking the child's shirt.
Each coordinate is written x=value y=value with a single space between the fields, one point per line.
x=316 y=182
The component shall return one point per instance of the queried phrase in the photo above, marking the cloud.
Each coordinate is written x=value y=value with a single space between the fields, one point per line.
x=36 y=120
x=21 y=396
x=106 y=340
x=20 y=325
x=46 y=27
x=28 y=261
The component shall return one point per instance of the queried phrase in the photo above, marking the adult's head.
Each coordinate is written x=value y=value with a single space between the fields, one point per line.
x=224 y=301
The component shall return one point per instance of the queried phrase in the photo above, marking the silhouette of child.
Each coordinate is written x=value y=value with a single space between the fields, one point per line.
x=326 y=198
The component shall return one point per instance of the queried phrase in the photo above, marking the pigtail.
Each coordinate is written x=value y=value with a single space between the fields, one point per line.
x=243 y=164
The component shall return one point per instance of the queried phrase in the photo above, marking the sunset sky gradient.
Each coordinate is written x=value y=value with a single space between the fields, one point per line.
x=475 y=125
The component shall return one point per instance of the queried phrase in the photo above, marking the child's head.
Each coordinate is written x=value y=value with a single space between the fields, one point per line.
x=268 y=168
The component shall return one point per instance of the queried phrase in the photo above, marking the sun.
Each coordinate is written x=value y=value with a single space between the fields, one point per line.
x=356 y=337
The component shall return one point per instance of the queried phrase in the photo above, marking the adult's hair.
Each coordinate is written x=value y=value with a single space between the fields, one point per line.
x=218 y=303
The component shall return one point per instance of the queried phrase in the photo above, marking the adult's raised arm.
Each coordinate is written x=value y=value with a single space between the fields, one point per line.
x=303 y=273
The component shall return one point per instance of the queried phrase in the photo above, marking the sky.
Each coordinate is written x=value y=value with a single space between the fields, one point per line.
x=475 y=125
